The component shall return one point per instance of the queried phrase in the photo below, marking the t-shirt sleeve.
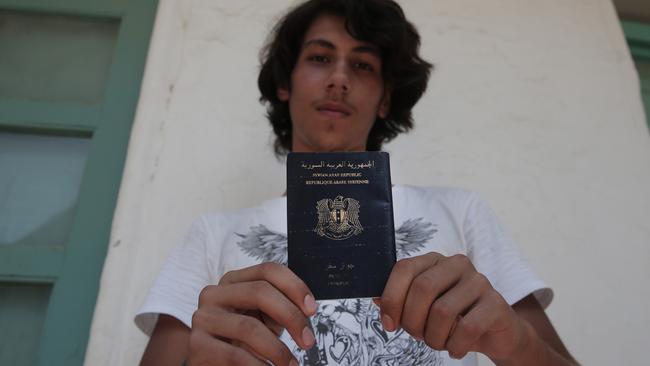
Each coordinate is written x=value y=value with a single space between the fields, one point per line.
x=176 y=290
x=494 y=254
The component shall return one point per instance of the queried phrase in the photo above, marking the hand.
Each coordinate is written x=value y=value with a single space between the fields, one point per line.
x=448 y=304
x=239 y=320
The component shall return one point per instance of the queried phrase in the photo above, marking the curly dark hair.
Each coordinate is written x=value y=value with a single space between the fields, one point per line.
x=379 y=22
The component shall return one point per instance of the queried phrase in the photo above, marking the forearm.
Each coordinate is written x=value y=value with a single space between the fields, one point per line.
x=534 y=351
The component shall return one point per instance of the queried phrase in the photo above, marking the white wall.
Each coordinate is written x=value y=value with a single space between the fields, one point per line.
x=534 y=104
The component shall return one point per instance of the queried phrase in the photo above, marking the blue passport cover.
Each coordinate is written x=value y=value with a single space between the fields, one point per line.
x=341 y=236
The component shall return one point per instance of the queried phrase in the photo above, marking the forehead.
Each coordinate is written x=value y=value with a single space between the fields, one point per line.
x=332 y=28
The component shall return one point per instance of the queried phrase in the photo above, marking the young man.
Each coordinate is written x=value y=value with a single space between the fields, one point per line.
x=343 y=75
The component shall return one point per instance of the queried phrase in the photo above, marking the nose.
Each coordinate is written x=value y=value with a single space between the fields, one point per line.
x=339 y=80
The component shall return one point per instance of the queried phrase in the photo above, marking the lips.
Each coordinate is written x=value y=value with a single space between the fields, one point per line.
x=333 y=110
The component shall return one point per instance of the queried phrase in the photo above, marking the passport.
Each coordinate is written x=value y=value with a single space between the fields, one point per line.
x=341 y=235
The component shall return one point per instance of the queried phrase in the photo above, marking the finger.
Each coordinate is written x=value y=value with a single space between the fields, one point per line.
x=399 y=281
x=424 y=291
x=261 y=295
x=445 y=310
x=279 y=276
x=276 y=328
x=245 y=329
x=471 y=327
x=261 y=317
x=206 y=350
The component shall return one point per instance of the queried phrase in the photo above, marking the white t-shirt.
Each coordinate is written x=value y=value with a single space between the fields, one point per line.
x=348 y=332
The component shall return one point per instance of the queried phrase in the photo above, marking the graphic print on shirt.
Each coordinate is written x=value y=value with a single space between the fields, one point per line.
x=349 y=331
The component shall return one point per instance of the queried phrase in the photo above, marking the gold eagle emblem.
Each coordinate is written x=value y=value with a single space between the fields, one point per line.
x=338 y=219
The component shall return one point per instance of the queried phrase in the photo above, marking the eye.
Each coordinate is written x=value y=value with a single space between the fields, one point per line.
x=364 y=66
x=318 y=58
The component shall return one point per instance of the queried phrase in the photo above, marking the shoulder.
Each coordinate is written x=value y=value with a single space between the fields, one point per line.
x=458 y=200
x=235 y=238
x=227 y=217
x=443 y=192
x=458 y=209
x=218 y=224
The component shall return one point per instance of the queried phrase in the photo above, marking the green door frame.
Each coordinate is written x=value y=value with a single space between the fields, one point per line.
x=75 y=269
x=638 y=39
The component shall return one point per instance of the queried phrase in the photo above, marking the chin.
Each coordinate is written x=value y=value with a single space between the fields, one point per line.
x=340 y=149
x=335 y=145
x=329 y=142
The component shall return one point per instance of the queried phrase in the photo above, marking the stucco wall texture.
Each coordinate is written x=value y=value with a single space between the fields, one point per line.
x=533 y=104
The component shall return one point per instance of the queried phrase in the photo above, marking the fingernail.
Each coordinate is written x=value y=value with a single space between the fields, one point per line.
x=310 y=304
x=308 y=337
x=388 y=323
x=293 y=363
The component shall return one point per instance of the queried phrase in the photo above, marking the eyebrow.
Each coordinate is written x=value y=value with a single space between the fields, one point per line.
x=327 y=44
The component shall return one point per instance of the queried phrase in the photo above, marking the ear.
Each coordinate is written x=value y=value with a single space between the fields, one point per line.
x=384 y=104
x=283 y=94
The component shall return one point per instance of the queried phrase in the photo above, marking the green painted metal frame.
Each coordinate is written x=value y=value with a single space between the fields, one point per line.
x=638 y=39
x=75 y=271
x=43 y=114
x=27 y=262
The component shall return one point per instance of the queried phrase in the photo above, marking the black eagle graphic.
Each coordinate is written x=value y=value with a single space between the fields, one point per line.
x=264 y=245
x=269 y=246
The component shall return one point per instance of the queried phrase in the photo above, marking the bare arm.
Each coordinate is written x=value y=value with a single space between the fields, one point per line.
x=168 y=343
x=543 y=345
